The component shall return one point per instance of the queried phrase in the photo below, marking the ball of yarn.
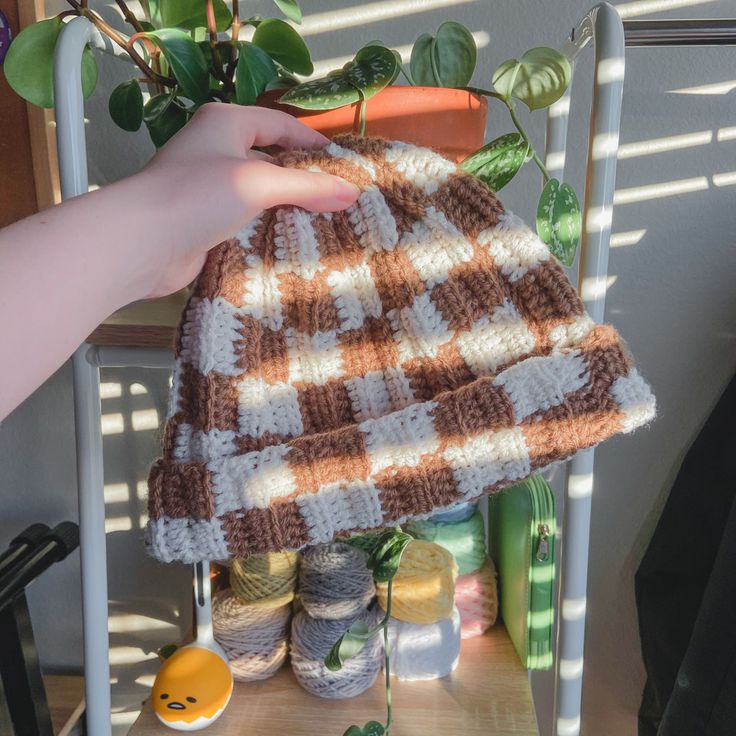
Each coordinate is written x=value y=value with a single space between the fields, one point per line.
x=312 y=639
x=476 y=598
x=424 y=585
x=458 y=512
x=424 y=651
x=334 y=581
x=265 y=580
x=255 y=638
x=465 y=540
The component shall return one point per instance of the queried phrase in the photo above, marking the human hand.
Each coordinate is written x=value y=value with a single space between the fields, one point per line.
x=210 y=182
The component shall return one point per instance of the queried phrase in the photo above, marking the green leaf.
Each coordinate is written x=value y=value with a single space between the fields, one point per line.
x=254 y=71
x=455 y=54
x=163 y=117
x=559 y=223
x=126 y=105
x=348 y=645
x=366 y=541
x=29 y=64
x=373 y=728
x=322 y=94
x=538 y=80
x=152 y=11
x=190 y=14
x=187 y=62
x=385 y=559
x=282 y=82
x=89 y=72
x=420 y=62
x=445 y=60
x=499 y=161
x=372 y=69
x=291 y=9
x=284 y=45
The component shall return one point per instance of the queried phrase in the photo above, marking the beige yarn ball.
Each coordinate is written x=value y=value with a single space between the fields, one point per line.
x=266 y=580
x=424 y=586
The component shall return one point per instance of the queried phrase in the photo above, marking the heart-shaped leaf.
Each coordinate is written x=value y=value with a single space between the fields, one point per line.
x=126 y=105
x=163 y=117
x=291 y=9
x=327 y=93
x=499 y=161
x=539 y=79
x=373 y=728
x=373 y=68
x=559 y=223
x=348 y=645
x=186 y=60
x=445 y=60
x=455 y=54
x=191 y=14
x=386 y=557
x=284 y=45
x=421 y=63
x=29 y=63
x=254 y=72
x=366 y=541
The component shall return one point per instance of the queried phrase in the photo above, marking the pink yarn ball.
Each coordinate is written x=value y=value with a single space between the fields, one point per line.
x=476 y=598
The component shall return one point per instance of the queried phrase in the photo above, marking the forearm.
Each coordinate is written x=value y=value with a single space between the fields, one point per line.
x=64 y=270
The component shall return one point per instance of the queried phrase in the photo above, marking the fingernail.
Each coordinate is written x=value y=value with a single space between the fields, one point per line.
x=345 y=190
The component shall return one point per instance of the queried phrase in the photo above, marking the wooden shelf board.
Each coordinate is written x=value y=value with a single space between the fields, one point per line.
x=65 y=697
x=488 y=695
x=150 y=323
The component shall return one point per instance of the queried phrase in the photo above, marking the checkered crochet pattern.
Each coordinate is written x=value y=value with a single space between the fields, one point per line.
x=347 y=371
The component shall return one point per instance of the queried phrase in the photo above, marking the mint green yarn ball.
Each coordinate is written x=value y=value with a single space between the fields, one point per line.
x=465 y=540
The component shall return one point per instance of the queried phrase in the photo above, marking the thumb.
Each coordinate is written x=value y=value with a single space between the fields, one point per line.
x=313 y=190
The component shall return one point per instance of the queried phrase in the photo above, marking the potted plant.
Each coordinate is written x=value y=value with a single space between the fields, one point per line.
x=189 y=52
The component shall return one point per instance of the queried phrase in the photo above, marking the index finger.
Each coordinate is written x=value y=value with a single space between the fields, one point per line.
x=261 y=126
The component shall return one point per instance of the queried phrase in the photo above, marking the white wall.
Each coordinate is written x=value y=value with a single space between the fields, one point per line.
x=673 y=300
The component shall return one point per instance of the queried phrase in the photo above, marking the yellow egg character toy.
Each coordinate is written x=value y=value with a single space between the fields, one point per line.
x=194 y=685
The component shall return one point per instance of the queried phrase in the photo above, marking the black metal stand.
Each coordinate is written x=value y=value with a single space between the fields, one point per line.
x=23 y=707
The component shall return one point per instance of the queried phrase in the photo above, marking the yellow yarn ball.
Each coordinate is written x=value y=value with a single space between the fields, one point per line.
x=424 y=587
x=268 y=580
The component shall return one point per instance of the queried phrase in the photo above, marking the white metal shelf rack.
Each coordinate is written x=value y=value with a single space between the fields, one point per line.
x=602 y=29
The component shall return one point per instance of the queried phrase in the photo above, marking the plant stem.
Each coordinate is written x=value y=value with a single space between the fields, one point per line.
x=517 y=123
x=362 y=133
x=406 y=74
x=387 y=660
x=129 y=16
x=217 y=69
x=522 y=133
x=236 y=24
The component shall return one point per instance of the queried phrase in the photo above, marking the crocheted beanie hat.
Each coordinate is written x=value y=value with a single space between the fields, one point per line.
x=347 y=371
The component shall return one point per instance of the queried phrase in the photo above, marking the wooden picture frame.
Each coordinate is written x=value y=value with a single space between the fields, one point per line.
x=29 y=172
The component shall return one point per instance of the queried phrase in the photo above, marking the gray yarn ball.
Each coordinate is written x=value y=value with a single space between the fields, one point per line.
x=312 y=639
x=334 y=581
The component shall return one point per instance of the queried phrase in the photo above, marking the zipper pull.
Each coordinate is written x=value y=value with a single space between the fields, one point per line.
x=543 y=544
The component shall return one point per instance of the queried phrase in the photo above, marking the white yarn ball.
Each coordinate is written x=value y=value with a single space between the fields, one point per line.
x=424 y=651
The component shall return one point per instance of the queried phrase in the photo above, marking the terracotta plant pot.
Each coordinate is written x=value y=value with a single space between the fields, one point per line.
x=451 y=121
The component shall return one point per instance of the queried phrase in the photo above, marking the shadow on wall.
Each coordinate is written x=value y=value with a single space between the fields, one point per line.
x=150 y=603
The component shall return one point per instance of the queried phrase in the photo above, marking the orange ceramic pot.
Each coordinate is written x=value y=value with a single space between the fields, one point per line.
x=451 y=121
